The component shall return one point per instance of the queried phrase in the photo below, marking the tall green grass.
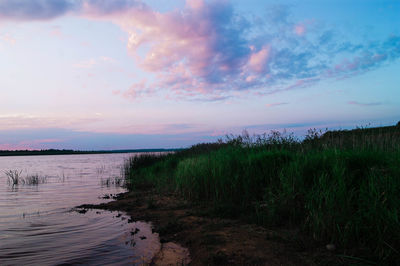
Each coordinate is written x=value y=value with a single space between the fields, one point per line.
x=340 y=187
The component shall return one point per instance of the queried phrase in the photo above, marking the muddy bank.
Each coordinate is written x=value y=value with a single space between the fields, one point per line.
x=216 y=241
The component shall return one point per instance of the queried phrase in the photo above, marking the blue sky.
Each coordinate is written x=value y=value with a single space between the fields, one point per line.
x=95 y=74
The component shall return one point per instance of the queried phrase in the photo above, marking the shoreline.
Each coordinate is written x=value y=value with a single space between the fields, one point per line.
x=217 y=241
x=52 y=152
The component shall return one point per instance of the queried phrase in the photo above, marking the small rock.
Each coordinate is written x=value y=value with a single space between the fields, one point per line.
x=330 y=247
x=135 y=232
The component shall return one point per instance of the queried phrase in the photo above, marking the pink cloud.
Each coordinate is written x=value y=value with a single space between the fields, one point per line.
x=195 y=4
x=28 y=144
x=357 y=64
x=56 y=32
x=190 y=50
x=269 y=105
x=199 y=51
x=101 y=8
x=208 y=51
x=258 y=60
x=251 y=78
x=107 y=59
x=301 y=83
x=89 y=63
x=159 y=128
x=7 y=38
x=13 y=147
x=21 y=121
x=203 y=51
x=174 y=38
x=299 y=29
x=86 y=63
x=138 y=90
x=364 y=104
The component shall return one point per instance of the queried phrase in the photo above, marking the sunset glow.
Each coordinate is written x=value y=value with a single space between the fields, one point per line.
x=126 y=74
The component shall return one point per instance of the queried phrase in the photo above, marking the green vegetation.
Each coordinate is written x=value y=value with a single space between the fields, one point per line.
x=341 y=187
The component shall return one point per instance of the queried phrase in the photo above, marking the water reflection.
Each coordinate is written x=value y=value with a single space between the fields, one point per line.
x=38 y=227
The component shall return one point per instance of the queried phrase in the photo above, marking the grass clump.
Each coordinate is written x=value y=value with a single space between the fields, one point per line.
x=341 y=187
x=14 y=178
x=35 y=179
x=113 y=181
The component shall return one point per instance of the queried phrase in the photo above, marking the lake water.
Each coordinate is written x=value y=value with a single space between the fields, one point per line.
x=38 y=225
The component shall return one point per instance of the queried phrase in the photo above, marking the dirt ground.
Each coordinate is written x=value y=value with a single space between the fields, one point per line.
x=216 y=241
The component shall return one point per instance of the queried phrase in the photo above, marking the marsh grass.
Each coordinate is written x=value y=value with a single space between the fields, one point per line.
x=34 y=180
x=14 y=178
x=101 y=170
x=341 y=187
x=115 y=181
x=62 y=178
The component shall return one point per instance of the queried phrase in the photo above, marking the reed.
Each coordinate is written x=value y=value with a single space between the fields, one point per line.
x=341 y=187
x=115 y=181
x=34 y=179
x=14 y=178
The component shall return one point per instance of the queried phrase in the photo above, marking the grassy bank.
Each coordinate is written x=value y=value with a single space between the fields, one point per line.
x=340 y=187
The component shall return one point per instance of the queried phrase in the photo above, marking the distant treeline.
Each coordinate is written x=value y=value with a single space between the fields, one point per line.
x=64 y=152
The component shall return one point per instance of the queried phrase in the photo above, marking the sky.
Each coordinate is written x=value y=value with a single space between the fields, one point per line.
x=130 y=74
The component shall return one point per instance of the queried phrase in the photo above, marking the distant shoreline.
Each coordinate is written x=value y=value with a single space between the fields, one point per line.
x=68 y=152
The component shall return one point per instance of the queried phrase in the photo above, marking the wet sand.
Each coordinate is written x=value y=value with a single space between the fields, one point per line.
x=216 y=241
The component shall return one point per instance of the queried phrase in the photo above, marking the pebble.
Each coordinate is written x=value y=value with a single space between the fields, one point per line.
x=330 y=247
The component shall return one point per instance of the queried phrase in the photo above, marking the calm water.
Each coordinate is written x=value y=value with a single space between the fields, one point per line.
x=39 y=227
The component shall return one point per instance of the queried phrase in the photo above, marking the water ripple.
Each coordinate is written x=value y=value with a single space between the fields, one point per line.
x=37 y=226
